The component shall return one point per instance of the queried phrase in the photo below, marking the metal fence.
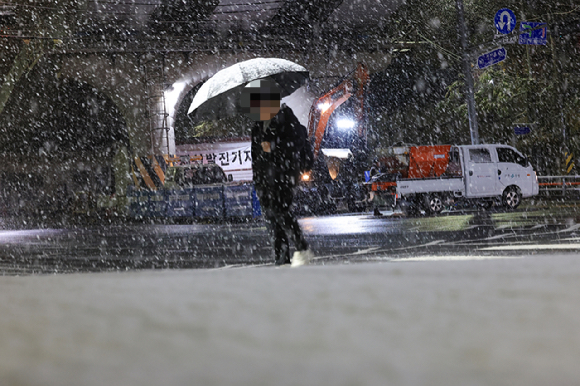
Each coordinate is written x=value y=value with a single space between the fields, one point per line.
x=559 y=186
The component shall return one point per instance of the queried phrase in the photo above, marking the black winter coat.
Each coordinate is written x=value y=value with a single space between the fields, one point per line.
x=287 y=137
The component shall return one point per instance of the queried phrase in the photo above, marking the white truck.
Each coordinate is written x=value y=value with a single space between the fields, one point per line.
x=430 y=177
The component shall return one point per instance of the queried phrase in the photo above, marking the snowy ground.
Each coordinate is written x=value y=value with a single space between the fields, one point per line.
x=495 y=321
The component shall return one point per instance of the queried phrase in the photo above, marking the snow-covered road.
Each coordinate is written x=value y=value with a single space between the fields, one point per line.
x=466 y=321
x=347 y=237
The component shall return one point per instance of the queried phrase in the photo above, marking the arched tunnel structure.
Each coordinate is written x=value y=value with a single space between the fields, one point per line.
x=60 y=138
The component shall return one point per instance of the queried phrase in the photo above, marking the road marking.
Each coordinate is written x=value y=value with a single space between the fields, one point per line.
x=571 y=239
x=431 y=243
x=496 y=237
x=570 y=229
x=230 y=266
x=240 y=266
x=455 y=258
x=436 y=242
x=363 y=251
x=530 y=247
x=359 y=252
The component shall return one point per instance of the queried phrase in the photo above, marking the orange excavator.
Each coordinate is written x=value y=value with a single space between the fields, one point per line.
x=339 y=141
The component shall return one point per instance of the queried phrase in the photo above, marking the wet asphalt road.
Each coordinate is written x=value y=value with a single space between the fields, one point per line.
x=541 y=227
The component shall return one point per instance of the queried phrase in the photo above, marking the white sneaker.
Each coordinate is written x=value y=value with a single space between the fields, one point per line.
x=302 y=258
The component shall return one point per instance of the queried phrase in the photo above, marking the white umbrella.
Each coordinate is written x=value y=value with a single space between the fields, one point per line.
x=219 y=97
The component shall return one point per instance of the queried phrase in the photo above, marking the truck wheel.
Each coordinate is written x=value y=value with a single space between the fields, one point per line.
x=434 y=204
x=511 y=198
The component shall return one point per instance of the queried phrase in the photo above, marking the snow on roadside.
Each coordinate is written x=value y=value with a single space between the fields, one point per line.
x=491 y=322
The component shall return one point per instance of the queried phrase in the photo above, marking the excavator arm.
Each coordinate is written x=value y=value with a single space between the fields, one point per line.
x=323 y=107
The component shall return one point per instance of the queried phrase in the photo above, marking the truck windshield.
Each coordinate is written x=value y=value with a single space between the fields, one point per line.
x=506 y=154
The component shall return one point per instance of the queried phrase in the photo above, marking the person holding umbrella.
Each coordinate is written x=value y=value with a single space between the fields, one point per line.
x=279 y=141
x=280 y=147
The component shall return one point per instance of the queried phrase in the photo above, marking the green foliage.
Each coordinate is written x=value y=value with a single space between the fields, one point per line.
x=536 y=86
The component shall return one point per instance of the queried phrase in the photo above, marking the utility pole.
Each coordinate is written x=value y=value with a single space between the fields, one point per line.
x=558 y=70
x=470 y=88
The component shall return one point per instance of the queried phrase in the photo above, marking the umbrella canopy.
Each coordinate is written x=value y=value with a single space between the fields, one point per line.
x=219 y=97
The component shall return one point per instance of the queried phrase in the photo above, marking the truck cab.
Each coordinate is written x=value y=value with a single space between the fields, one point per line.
x=498 y=171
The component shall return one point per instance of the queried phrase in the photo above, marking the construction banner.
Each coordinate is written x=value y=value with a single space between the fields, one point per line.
x=234 y=157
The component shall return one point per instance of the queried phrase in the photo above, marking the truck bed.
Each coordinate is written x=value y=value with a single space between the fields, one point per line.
x=430 y=185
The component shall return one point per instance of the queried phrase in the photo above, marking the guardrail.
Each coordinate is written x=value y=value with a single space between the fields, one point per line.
x=559 y=185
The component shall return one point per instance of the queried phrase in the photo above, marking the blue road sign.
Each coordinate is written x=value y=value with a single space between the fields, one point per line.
x=521 y=130
x=533 y=33
x=491 y=58
x=505 y=20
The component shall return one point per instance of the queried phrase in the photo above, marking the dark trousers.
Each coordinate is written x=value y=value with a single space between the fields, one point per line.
x=276 y=203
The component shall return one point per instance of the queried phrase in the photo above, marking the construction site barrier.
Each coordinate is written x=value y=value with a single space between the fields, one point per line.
x=216 y=201
x=559 y=185
x=137 y=203
x=180 y=202
x=209 y=201
x=157 y=203
x=238 y=201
